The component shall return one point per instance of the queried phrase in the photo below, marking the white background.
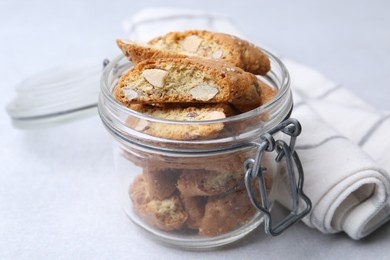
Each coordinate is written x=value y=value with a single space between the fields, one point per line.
x=59 y=197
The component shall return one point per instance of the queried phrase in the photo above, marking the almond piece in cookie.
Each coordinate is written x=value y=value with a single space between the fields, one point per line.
x=204 y=92
x=191 y=43
x=189 y=80
x=156 y=77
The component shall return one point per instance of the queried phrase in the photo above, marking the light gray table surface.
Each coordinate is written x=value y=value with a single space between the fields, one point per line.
x=59 y=196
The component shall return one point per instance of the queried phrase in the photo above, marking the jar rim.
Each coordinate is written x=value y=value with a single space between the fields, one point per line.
x=284 y=87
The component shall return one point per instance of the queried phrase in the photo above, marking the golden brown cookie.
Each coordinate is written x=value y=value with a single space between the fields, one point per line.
x=161 y=183
x=226 y=212
x=186 y=111
x=171 y=80
x=267 y=92
x=217 y=163
x=223 y=213
x=208 y=183
x=180 y=113
x=194 y=206
x=138 y=192
x=166 y=214
x=213 y=45
x=211 y=215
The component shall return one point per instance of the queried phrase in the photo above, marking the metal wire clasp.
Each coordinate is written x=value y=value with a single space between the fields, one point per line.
x=254 y=170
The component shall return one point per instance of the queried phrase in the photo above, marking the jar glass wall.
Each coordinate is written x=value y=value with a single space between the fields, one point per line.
x=190 y=192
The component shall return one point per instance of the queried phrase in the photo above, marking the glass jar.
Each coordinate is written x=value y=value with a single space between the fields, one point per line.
x=217 y=183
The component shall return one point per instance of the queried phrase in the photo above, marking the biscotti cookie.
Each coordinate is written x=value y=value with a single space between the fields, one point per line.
x=166 y=214
x=181 y=113
x=194 y=206
x=138 y=192
x=214 y=45
x=217 y=163
x=211 y=214
x=230 y=210
x=186 y=111
x=208 y=183
x=161 y=183
x=266 y=94
x=171 y=80
x=225 y=213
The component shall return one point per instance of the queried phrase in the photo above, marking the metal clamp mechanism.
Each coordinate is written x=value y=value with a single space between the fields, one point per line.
x=253 y=171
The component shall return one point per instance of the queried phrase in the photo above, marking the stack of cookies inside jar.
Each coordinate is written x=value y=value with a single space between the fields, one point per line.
x=192 y=76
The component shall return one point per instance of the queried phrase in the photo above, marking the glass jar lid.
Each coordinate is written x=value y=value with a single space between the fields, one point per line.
x=65 y=93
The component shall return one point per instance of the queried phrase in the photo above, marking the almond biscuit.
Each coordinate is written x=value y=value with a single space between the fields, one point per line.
x=166 y=214
x=178 y=80
x=213 y=45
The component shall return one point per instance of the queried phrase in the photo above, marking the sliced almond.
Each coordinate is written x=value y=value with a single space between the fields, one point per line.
x=142 y=125
x=203 y=92
x=217 y=54
x=129 y=93
x=214 y=115
x=191 y=43
x=156 y=77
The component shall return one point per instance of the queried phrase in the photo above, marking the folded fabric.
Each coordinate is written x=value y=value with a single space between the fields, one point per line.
x=341 y=147
x=348 y=189
x=348 y=114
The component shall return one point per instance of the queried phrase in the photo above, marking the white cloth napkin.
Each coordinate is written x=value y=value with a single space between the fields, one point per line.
x=342 y=148
x=343 y=152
